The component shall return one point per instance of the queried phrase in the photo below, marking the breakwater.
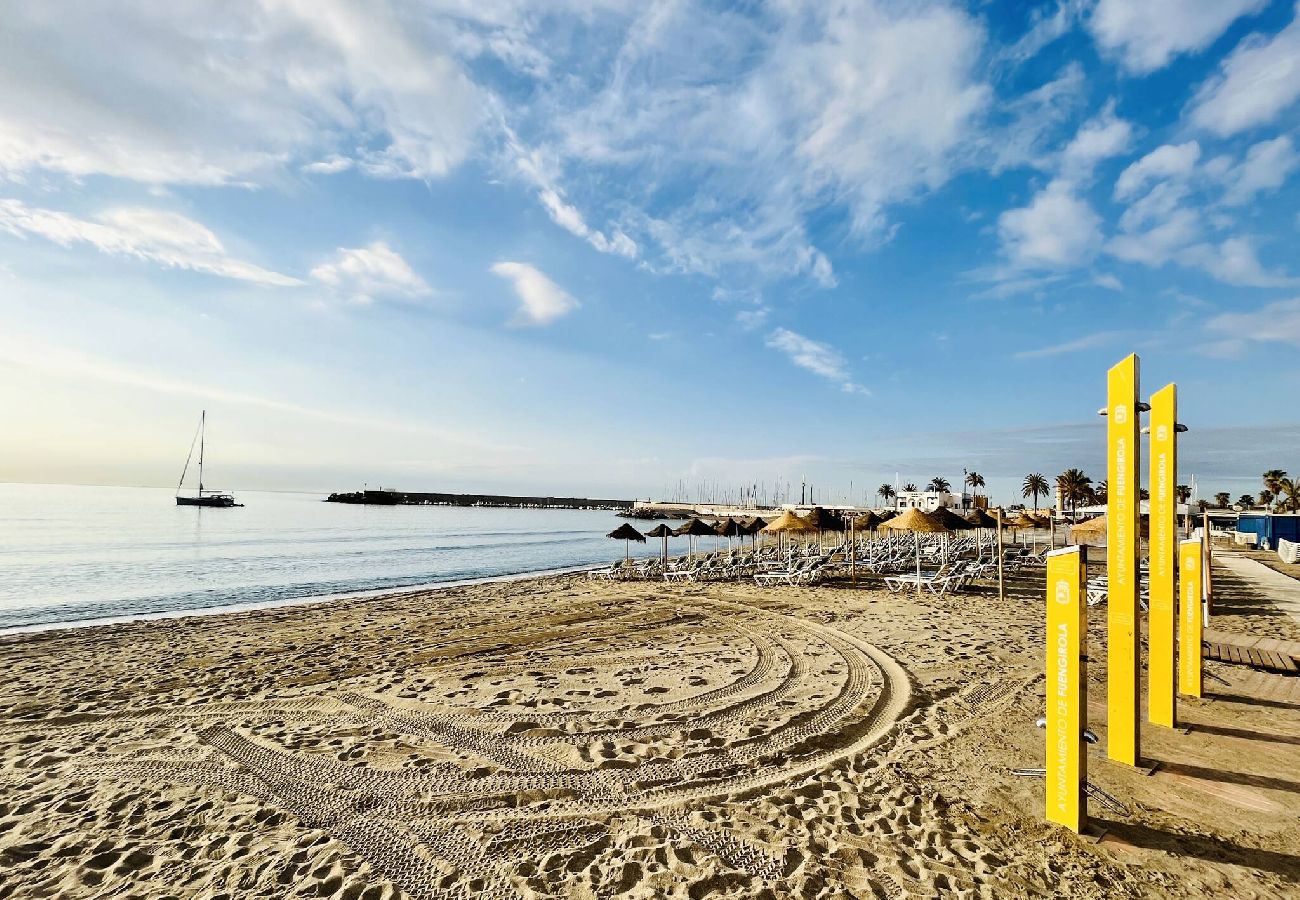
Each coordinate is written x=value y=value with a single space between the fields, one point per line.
x=421 y=498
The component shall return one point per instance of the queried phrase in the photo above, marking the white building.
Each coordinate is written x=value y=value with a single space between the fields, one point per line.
x=929 y=501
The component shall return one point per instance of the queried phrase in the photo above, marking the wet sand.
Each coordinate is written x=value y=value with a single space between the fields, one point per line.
x=566 y=738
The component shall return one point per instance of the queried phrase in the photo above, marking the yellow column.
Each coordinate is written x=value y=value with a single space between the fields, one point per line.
x=1161 y=624
x=1189 y=618
x=1067 y=688
x=1122 y=424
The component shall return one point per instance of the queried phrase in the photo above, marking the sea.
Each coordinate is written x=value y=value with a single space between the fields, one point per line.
x=79 y=555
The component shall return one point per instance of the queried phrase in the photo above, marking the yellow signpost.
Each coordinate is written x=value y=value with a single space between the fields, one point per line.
x=1123 y=452
x=1067 y=688
x=1161 y=618
x=1189 y=617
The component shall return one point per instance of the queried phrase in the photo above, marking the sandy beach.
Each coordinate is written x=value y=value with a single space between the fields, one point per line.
x=567 y=738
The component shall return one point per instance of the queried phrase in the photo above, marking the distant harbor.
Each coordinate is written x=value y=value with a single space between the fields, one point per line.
x=390 y=497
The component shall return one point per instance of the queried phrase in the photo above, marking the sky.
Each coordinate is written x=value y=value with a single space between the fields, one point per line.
x=605 y=248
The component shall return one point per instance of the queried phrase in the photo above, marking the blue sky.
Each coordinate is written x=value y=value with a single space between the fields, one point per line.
x=602 y=247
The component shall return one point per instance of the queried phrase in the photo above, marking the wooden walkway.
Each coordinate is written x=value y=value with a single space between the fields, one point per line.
x=1265 y=654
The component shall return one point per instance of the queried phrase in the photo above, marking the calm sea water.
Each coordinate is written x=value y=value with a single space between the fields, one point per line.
x=79 y=554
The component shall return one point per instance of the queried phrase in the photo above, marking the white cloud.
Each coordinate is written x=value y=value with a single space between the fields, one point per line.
x=820 y=359
x=366 y=273
x=1158 y=244
x=1087 y=342
x=750 y=319
x=1256 y=82
x=1098 y=139
x=1167 y=161
x=1146 y=35
x=737 y=128
x=331 y=165
x=1234 y=262
x=1045 y=28
x=1276 y=322
x=1267 y=165
x=213 y=92
x=1058 y=229
x=542 y=301
x=158 y=236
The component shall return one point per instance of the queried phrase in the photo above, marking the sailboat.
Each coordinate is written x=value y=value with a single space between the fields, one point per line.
x=205 y=497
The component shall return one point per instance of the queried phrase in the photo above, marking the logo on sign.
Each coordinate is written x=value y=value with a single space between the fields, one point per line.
x=1162 y=433
x=1062 y=592
x=1121 y=414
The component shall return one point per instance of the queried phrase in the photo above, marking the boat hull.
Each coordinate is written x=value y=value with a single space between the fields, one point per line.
x=217 y=500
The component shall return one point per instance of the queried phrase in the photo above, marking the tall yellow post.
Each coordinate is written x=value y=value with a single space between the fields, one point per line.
x=1122 y=425
x=1190 y=680
x=1161 y=618
x=1067 y=688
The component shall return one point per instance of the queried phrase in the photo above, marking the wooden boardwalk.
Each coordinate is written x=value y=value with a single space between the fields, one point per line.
x=1266 y=654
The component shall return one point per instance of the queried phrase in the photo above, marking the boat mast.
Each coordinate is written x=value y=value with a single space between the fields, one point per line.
x=203 y=427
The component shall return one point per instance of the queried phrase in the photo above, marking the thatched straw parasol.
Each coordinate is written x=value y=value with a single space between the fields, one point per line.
x=980 y=519
x=789 y=522
x=918 y=523
x=661 y=531
x=950 y=520
x=694 y=527
x=627 y=534
x=729 y=528
x=867 y=522
x=822 y=520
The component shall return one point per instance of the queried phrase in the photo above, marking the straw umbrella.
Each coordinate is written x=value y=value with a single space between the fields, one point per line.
x=752 y=527
x=823 y=521
x=918 y=523
x=661 y=531
x=982 y=521
x=788 y=523
x=694 y=527
x=627 y=534
x=729 y=528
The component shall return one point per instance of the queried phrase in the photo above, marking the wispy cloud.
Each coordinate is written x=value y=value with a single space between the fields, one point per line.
x=158 y=236
x=820 y=359
x=541 y=301
x=1258 y=80
x=363 y=274
x=1145 y=36
x=160 y=110
x=1277 y=323
x=1087 y=342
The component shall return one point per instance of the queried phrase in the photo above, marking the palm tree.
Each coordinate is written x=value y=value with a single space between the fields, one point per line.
x=1273 y=481
x=1182 y=493
x=885 y=492
x=1075 y=487
x=976 y=481
x=1034 y=485
x=1144 y=494
x=1246 y=500
x=1202 y=504
x=1101 y=491
x=939 y=485
x=910 y=487
x=1221 y=499
x=1290 y=487
x=1265 y=498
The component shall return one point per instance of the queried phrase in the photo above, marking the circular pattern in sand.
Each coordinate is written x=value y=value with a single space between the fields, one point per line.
x=559 y=745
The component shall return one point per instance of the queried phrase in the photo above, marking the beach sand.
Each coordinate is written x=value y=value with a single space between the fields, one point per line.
x=564 y=738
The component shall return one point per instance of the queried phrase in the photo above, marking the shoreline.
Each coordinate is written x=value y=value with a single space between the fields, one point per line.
x=19 y=631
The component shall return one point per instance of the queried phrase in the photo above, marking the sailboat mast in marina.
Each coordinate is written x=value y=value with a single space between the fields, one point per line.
x=204 y=497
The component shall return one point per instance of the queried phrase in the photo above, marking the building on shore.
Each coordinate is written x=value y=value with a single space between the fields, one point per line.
x=929 y=501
